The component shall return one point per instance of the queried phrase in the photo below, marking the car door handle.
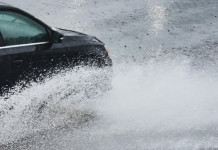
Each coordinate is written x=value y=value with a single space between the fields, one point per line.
x=17 y=61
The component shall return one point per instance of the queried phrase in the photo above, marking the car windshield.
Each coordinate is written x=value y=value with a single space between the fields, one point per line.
x=18 y=29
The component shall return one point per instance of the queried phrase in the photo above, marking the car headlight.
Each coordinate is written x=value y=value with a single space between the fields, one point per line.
x=106 y=50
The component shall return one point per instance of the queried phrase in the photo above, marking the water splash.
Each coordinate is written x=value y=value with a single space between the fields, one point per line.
x=159 y=104
x=59 y=100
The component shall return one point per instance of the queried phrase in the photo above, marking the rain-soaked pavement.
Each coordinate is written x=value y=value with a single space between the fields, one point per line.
x=164 y=87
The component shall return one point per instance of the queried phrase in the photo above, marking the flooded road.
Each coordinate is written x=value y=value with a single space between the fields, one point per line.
x=164 y=86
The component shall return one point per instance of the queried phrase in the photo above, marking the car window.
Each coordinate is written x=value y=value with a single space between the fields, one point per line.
x=18 y=29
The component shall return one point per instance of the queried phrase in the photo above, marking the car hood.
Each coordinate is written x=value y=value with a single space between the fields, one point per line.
x=78 y=38
x=69 y=32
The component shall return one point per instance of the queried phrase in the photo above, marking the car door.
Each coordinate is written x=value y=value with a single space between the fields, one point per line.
x=5 y=68
x=28 y=45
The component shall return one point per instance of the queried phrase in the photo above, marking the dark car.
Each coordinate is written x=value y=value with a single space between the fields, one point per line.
x=29 y=47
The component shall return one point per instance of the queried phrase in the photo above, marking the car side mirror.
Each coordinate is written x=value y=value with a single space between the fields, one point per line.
x=56 y=37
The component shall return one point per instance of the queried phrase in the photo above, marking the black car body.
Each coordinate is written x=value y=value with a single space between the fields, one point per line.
x=29 y=47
